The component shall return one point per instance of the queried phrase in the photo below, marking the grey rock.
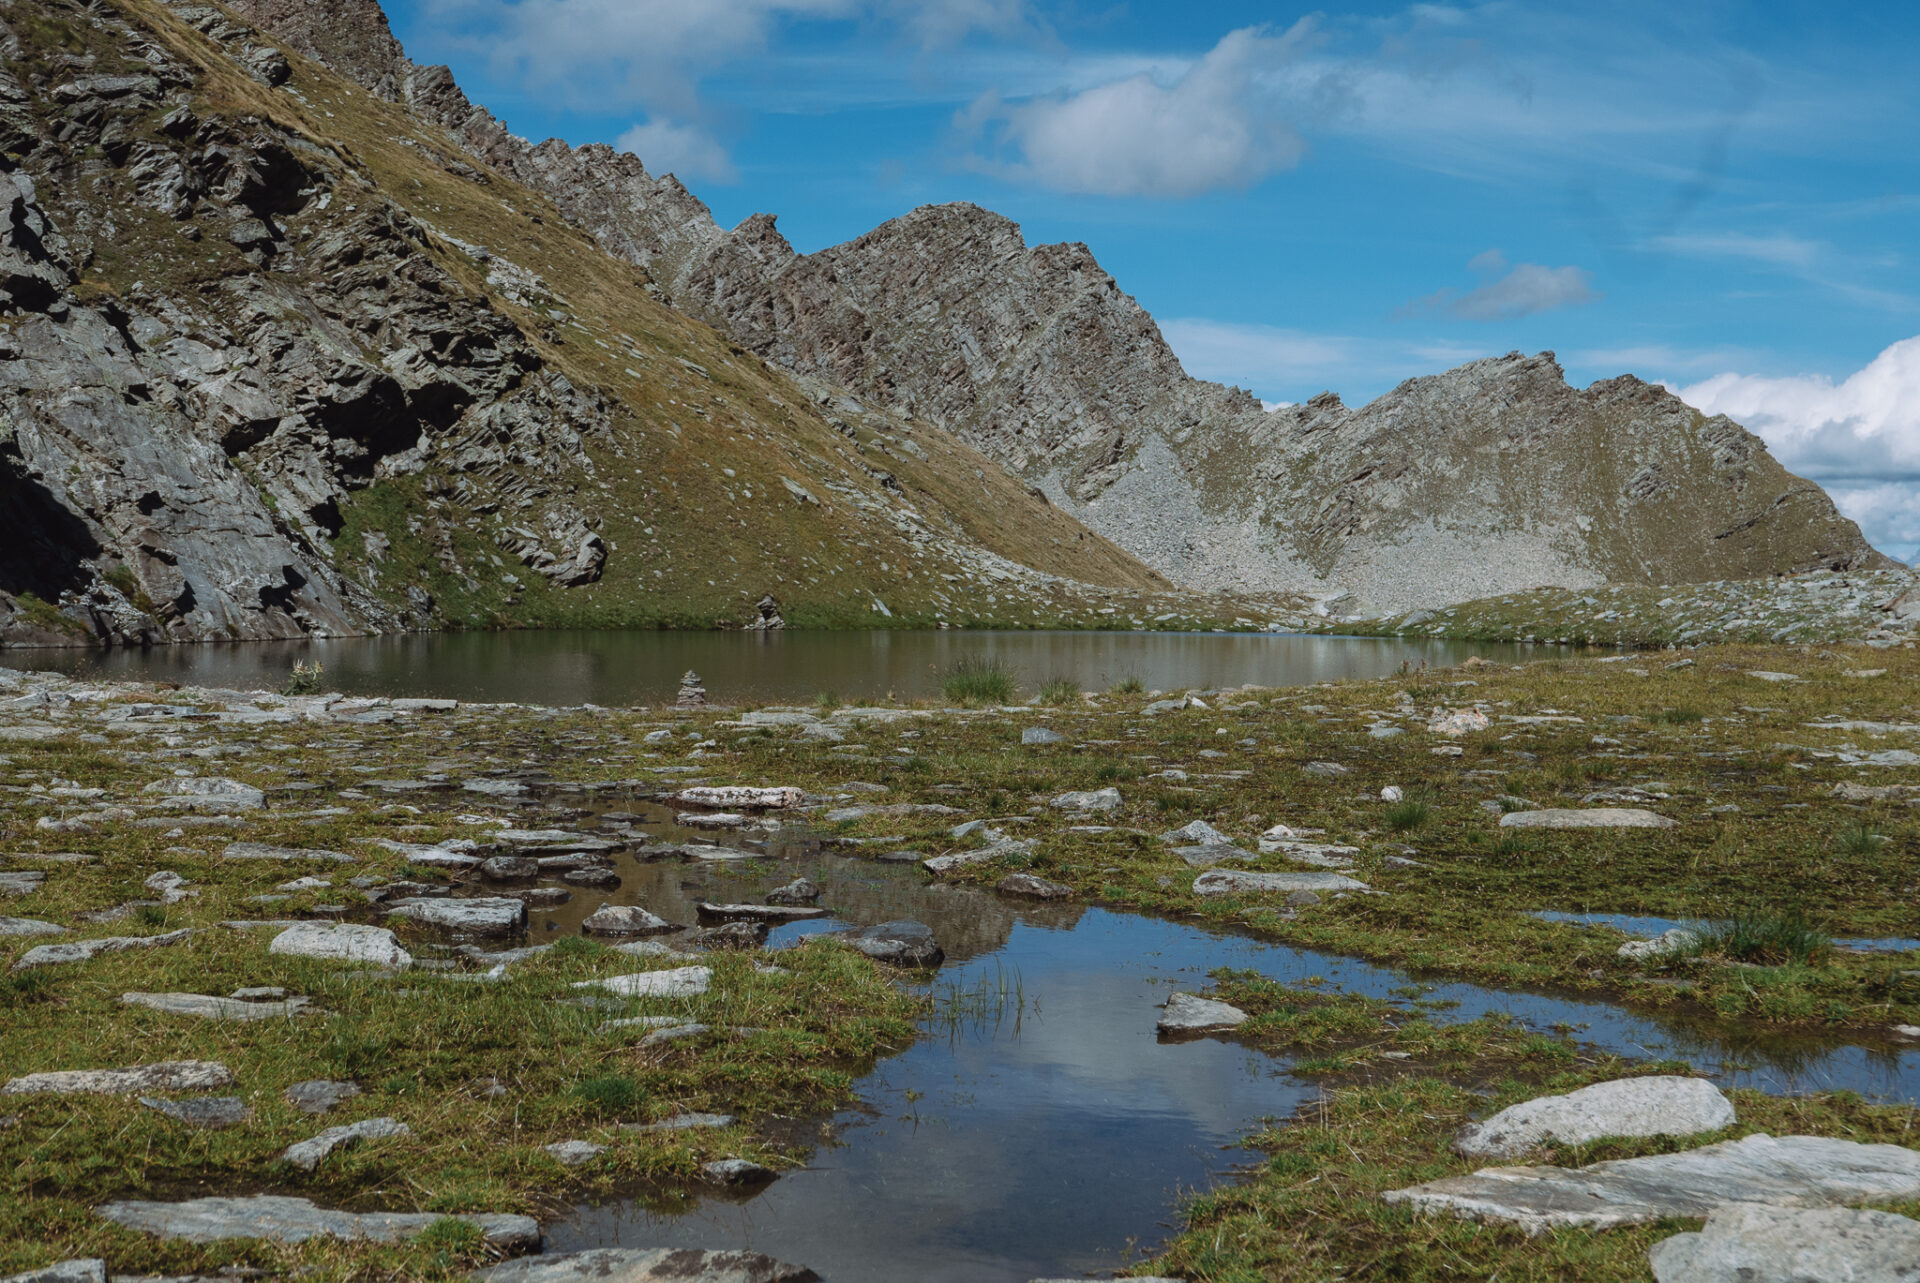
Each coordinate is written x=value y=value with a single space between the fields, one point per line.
x=755 y=912
x=211 y=794
x=741 y=798
x=1198 y=833
x=1107 y=799
x=210 y=1008
x=575 y=1153
x=21 y=883
x=1210 y=854
x=1754 y=1243
x=1799 y=1171
x=1033 y=887
x=320 y=1095
x=1667 y=943
x=262 y=851
x=1599 y=817
x=209 y=1113
x=50 y=955
x=497 y=916
x=736 y=1171
x=1327 y=770
x=345 y=941
x=902 y=943
x=28 y=927
x=625 y=920
x=510 y=868
x=599 y=878
x=674 y=1033
x=87 y=1271
x=1041 y=735
x=733 y=935
x=166 y=1075
x=798 y=891
x=308 y=1154
x=681 y=982
x=682 y=1122
x=280 y=1219
x=647 y=1265
x=1656 y=1106
x=1235 y=882
x=1187 y=1014
x=961 y=859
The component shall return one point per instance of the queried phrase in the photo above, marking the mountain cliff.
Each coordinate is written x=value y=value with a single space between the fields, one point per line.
x=285 y=357
x=1491 y=478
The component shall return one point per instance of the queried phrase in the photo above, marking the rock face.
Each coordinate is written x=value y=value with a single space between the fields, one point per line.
x=1747 y=1243
x=647 y=1265
x=295 y=1220
x=1790 y=1171
x=1627 y=1107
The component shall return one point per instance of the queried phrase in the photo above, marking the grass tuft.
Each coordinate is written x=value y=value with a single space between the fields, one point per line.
x=1765 y=939
x=610 y=1094
x=976 y=680
x=1409 y=813
x=1060 y=691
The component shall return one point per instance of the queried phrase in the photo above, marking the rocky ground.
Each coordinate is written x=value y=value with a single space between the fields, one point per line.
x=267 y=944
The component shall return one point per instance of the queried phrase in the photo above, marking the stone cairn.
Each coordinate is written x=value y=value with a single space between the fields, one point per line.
x=693 y=694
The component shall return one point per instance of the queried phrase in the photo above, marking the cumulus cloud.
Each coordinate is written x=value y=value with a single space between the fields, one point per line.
x=1509 y=293
x=1859 y=438
x=685 y=151
x=1213 y=127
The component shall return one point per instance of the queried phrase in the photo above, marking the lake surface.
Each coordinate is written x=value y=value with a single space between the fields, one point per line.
x=644 y=667
x=1048 y=1128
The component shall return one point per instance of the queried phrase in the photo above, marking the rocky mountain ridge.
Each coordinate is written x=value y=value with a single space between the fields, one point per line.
x=1491 y=478
x=281 y=360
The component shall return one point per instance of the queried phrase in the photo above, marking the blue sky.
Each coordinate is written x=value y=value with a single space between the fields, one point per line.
x=1723 y=196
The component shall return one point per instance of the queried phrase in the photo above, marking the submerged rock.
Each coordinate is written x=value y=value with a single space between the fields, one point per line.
x=1033 y=886
x=755 y=912
x=1805 y=1171
x=736 y=1171
x=281 y=1219
x=1187 y=1013
x=798 y=891
x=732 y=935
x=1750 y=1243
x=1662 y=1106
x=647 y=1265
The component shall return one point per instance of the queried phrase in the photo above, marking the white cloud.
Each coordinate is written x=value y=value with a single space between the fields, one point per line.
x=1778 y=249
x=1213 y=127
x=1860 y=438
x=1523 y=290
x=685 y=151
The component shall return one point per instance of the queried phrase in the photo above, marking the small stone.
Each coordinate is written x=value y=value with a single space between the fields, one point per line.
x=575 y=1153
x=28 y=927
x=673 y=1033
x=1041 y=735
x=309 y=1154
x=734 y=935
x=902 y=943
x=1198 y=833
x=1033 y=887
x=798 y=891
x=319 y=1096
x=1327 y=770
x=625 y=920
x=209 y=1113
x=1654 y=1106
x=344 y=941
x=736 y=1171
x=1754 y=1243
x=1393 y=793
x=1187 y=1013
x=166 y=1075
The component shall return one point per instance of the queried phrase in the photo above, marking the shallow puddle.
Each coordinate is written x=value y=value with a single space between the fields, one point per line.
x=1642 y=925
x=1047 y=1129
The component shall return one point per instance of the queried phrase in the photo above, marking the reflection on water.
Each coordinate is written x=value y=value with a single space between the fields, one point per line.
x=1001 y=1151
x=617 y=668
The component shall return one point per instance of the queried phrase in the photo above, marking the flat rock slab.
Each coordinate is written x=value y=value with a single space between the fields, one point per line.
x=165 y=1075
x=320 y=1095
x=344 y=942
x=1091 y=800
x=1751 y=1243
x=1188 y=1014
x=1208 y=854
x=625 y=920
x=1790 y=1171
x=492 y=916
x=682 y=1123
x=53 y=955
x=309 y=1154
x=647 y=1265
x=1234 y=882
x=209 y=1113
x=1662 y=1106
x=1041 y=735
x=680 y=982
x=262 y=851
x=207 y=794
x=211 y=1008
x=1598 y=817
x=1033 y=887
x=755 y=912
x=738 y=798
x=961 y=859
x=21 y=883
x=280 y=1219
x=88 y=1271
x=575 y=1153
x=29 y=927
x=904 y=943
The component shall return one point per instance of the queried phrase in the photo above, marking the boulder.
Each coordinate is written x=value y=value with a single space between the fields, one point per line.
x=280 y=1219
x=625 y=920
x=1235 y=882
x=681 y=982
x=344 y=942
x=309 y=1154
x=647 y=1265
x=1598 y=817
x=1753 y=1243
x=1198 y=833
x=165 y=1075
x=1190 y=1014
x=1661 y=1106
x=798 y=891
x=1803 y=1171
x=904 y=943
x=490 y=916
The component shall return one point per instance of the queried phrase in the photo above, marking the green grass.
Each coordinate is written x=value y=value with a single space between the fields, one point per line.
x=1060 y=691
x=1765 y=939
x=1409 y=813
x=1859 y=840
x=976 y=680
x=1679 y=717
x=1129 y=685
